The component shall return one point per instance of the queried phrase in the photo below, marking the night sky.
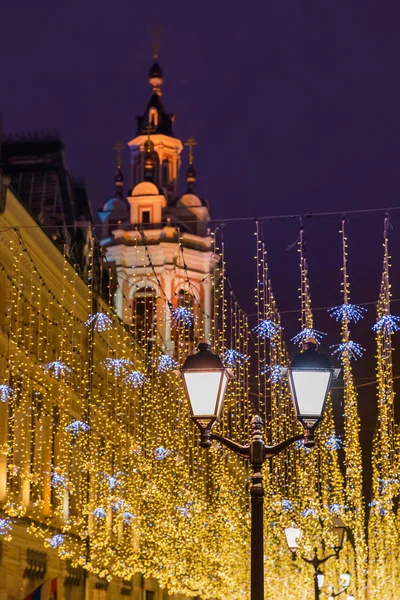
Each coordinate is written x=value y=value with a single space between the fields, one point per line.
x=295 y=107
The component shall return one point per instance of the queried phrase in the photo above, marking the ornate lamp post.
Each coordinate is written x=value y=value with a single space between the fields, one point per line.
x=205 y=379
x=293 y=536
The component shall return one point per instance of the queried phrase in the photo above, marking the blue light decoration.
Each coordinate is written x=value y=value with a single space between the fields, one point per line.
x=77 y=426
x=6 y=392
x=347 y=312
x=390 y=323
x=337 y=509
x=377 y=505
x=135 y=379
x=5 y=527
x=112 y=480
x=300 y=446
x=306 y=333
x=99 y=513
x=57 y=368
x=387 y=484
x=165 y=363
x=99 y=321
x=161 y=453
x=128 y=516
x=231 y=358
x=183 y=315
x=183 y=510
x=267 y=329
x=118 y=366
x=334 y=442
x=118 y=504
x=57 y=540
x=287 y=505
x=352 y=349
x=275 y=373
x=57 y=479
x=309 y=512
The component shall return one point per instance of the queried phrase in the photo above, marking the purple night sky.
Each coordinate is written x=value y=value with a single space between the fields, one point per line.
x=295 y=107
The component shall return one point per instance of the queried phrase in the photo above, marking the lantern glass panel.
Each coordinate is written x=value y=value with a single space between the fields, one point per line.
x=293 y=535
x=310 y=389
x=203 y=388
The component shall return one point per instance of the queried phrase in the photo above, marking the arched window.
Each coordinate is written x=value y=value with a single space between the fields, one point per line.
x=144 y=312
x=153 y=117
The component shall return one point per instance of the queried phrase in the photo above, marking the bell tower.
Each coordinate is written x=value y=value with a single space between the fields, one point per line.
x=163 y=253
x=157 y=125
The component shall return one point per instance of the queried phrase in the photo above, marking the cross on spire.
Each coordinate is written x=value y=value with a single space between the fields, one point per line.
x=190 y=142
x=155 y=40
x=118 y=151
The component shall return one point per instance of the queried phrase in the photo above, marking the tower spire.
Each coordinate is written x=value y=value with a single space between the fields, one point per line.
x=119 y=177
x=155 y=71
x=191 y=172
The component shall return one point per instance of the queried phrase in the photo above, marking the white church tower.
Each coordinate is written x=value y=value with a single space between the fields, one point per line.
x=158 y=240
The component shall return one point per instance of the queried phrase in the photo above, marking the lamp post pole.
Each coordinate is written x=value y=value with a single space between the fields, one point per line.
x=257 y=452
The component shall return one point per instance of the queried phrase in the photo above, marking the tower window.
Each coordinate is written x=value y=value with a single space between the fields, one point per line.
x=153 y=117
x=145 y=217
x=165 y=173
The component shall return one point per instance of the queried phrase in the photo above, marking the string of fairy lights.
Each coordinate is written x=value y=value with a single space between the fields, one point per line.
x=99 y=454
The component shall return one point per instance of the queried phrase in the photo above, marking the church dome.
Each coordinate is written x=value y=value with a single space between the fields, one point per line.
x=191 y=200
x=114 y=205
x=145 y=188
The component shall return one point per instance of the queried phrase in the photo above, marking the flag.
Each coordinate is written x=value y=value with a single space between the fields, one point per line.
x=46 y=591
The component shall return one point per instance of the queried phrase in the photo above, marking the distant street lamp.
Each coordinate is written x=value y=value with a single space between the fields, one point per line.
x=293 y=536
x=205 y=380
x=345 y=579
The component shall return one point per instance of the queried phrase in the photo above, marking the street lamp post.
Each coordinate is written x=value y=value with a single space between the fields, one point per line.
x=345 y=583
x=294 y=534
x=205 y=379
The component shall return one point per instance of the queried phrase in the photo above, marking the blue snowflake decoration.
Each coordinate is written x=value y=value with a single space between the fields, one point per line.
x=112 y=480
x=99 y=321
x=389 y=323
x=118 y=504
x=377 y=505
x=267 y=329
x=306 y=333
x=287 y=505
x=165 y=363
x=99 y=513
x=386 y=484
x=5 y=527
x=184 y=316
x=347 y=312
x=118 y=366
x=57 y=368
x=352 y=349
x=183 y=510
x=275 y=373
x=161 y=453
x=309 y=512
x=333 y=443
x=336 y=509
x=57 y=479
x=300 y=446
x=77 y=427
x=6 y=392
x=135 y=379
x=231 y=358
x=128 y=516
x=57 y=540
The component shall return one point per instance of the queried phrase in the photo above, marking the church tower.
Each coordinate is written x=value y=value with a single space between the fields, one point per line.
x=162 y=251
